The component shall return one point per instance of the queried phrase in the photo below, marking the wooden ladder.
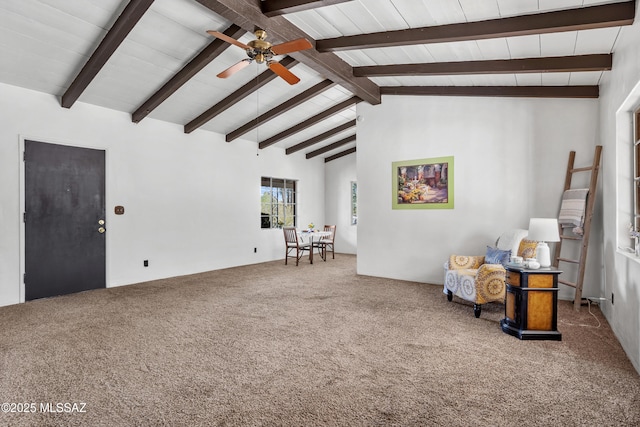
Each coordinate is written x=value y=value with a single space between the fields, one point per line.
x=591 y=198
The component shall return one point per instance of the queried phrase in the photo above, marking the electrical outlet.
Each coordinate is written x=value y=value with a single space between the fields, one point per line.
x=146 y=263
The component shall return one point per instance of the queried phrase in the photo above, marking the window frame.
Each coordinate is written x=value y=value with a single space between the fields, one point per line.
x=635 y=177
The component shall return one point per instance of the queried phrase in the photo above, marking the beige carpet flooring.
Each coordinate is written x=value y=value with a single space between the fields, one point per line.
x=270 y=344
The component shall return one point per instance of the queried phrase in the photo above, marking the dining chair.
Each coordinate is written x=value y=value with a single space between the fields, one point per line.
x=327 y=242
x=292 y=243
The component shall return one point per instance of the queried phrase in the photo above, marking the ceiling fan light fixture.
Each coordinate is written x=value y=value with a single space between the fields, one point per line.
x=262 y=51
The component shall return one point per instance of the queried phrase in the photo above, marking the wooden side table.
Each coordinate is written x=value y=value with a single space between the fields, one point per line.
x=531 y=304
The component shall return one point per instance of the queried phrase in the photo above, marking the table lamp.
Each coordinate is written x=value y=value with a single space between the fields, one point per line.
x=543 y=230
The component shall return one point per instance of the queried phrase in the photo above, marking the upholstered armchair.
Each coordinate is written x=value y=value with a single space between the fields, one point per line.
x=480 y=279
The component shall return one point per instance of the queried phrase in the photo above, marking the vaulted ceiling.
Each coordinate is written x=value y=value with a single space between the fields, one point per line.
x=155 y=60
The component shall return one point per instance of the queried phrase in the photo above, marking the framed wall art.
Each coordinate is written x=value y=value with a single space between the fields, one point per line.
x=423 y=183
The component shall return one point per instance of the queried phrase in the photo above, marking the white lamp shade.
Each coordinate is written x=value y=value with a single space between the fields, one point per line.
x=543 y=230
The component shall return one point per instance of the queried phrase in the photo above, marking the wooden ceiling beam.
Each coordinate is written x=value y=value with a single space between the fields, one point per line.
x=342 y=154
x=280 y=109
x=309 y=122
x=111 y=41
x=584 y=18
x=201 y=60
x=496 y=91
x=280 y=7
x=318 y=138
x=330 y=147
x=598 y=62
x=248 y=15
x=255 y=84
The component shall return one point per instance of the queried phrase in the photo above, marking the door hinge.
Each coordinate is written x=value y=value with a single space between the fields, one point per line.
x=24 y=278
x=24 y=156
x=24 y=217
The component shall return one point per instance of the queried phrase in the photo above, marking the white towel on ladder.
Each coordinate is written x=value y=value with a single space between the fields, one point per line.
x=572 y=209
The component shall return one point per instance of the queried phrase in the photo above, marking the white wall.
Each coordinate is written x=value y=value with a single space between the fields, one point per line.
x=620 y=92
x=339 y=174
x=192 y=202
x=510 y=160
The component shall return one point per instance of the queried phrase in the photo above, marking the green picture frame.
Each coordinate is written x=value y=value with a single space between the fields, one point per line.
x=423 y=183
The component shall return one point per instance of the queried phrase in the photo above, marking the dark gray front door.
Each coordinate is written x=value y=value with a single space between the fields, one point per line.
x=64 y=219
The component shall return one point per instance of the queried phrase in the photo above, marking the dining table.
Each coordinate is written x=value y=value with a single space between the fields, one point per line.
x=313 y=235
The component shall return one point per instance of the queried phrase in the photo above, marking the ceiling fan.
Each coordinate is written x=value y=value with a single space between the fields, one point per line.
x=260 y=50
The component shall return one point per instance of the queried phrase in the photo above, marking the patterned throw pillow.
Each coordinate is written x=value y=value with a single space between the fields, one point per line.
x=497 y=256
x=527 y=248
x=457 y=262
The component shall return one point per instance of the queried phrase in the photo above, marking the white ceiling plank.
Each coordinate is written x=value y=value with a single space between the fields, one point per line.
x=479 y=10
x=524 y=46
x=32 y=69
x=529 y=79
x=445 y=11
x=555 y=79
x=131 y=78
x=423 y=81
x=167 y=36
x=494 y=80
x=397 y=55
x=596 y=41
x=415 y=13
x=190 y=14
x=414 y=54
x=387 y=81
x=519 y=7
x=352 y=18
x=343 y=22
x=96 y=13
x=16 y=46
x=548 y=5
x=585 y=78
x=494 y=48
x=466 y=51
x=52 y=27
x=358 y=57
x=384 y=13
x=558 y=44
x=313 y=24
x=462 y=80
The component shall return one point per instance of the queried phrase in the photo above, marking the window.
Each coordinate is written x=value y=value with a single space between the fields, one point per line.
x=354 y=203
x=277 y=202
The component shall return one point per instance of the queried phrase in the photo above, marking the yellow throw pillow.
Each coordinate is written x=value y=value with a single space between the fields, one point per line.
x=527 y=248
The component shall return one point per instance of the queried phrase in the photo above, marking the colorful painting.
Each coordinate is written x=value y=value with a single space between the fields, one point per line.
x=423 y=183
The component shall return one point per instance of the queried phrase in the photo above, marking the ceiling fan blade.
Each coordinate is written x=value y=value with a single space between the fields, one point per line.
x=292 y=46
x=283 y=72
x=234 y=68
x=228 y=39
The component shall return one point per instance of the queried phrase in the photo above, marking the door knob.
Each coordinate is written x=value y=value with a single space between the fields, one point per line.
x=101 y=230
